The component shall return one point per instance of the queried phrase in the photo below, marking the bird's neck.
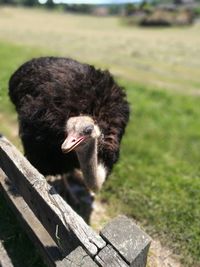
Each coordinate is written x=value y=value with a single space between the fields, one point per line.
x=94 y=173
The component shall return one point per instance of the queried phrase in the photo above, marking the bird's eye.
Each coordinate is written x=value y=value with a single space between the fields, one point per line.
x=88 y=129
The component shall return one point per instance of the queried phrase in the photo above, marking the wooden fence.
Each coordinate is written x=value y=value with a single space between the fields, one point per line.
x=60 y=234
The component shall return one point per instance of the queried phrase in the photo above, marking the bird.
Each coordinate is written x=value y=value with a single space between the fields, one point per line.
x=71 y=116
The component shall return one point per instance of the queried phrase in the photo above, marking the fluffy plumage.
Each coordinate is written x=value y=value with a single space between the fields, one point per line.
x=47 y=92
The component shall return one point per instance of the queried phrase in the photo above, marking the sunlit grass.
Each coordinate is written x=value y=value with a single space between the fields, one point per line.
x=157 y=178
x=160 y=58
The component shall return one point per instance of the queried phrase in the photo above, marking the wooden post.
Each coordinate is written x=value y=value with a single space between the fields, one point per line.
x=109 y=256
x=128 y=239
x=64 y=225
x=63 y=238
x=37 y=233
x=5 y=261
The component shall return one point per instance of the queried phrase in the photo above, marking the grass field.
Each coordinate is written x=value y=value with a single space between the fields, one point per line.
x=157 y=179
x=167 y=58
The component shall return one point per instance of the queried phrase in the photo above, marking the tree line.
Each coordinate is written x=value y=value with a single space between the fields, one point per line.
x=84 y=8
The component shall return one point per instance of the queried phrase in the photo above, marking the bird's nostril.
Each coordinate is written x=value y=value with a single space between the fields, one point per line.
x=73 y=140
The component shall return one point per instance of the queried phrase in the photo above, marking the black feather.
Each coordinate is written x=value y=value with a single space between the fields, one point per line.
x=47 y=91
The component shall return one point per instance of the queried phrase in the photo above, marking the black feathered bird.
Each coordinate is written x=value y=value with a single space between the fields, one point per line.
x=71 y=115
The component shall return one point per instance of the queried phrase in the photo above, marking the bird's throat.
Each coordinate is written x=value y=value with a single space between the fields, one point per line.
x=89 y=165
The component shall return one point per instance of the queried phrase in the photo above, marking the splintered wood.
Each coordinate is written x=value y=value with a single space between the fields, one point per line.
x=58 y=217
x=61 y=235
x=5 y=261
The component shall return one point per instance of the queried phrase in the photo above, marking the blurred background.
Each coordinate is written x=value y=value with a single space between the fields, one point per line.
x=153 y=50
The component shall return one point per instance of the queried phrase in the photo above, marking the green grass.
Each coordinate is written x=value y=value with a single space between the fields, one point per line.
x=157 y=178
x=161 y=58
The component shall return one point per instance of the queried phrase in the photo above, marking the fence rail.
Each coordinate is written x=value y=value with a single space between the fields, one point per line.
x=61 y=235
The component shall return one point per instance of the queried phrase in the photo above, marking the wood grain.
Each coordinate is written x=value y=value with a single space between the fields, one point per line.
x=66 y=227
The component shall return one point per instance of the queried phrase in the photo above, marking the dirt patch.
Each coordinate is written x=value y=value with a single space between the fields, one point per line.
x=159 y=256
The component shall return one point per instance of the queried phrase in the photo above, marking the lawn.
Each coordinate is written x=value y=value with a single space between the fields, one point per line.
x=157 y=178
x=162 y=58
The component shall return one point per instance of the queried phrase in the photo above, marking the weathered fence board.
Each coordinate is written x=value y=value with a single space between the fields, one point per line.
x=70 y=228
x=63 y=238
x=30 y=223
x=78 y=258
x=128 y=239
x=5 y=260
x=35 y=230
x=111 y=256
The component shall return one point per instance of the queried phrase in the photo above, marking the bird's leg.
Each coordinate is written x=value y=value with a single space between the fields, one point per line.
x=69 y=194
x=78 y=195
x=65 y=191
x=78 y=176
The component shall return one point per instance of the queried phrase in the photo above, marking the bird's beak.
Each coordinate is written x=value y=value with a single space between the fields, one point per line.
x=71 y=142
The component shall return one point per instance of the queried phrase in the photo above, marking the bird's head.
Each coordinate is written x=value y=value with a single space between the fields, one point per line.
x=80 y=131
